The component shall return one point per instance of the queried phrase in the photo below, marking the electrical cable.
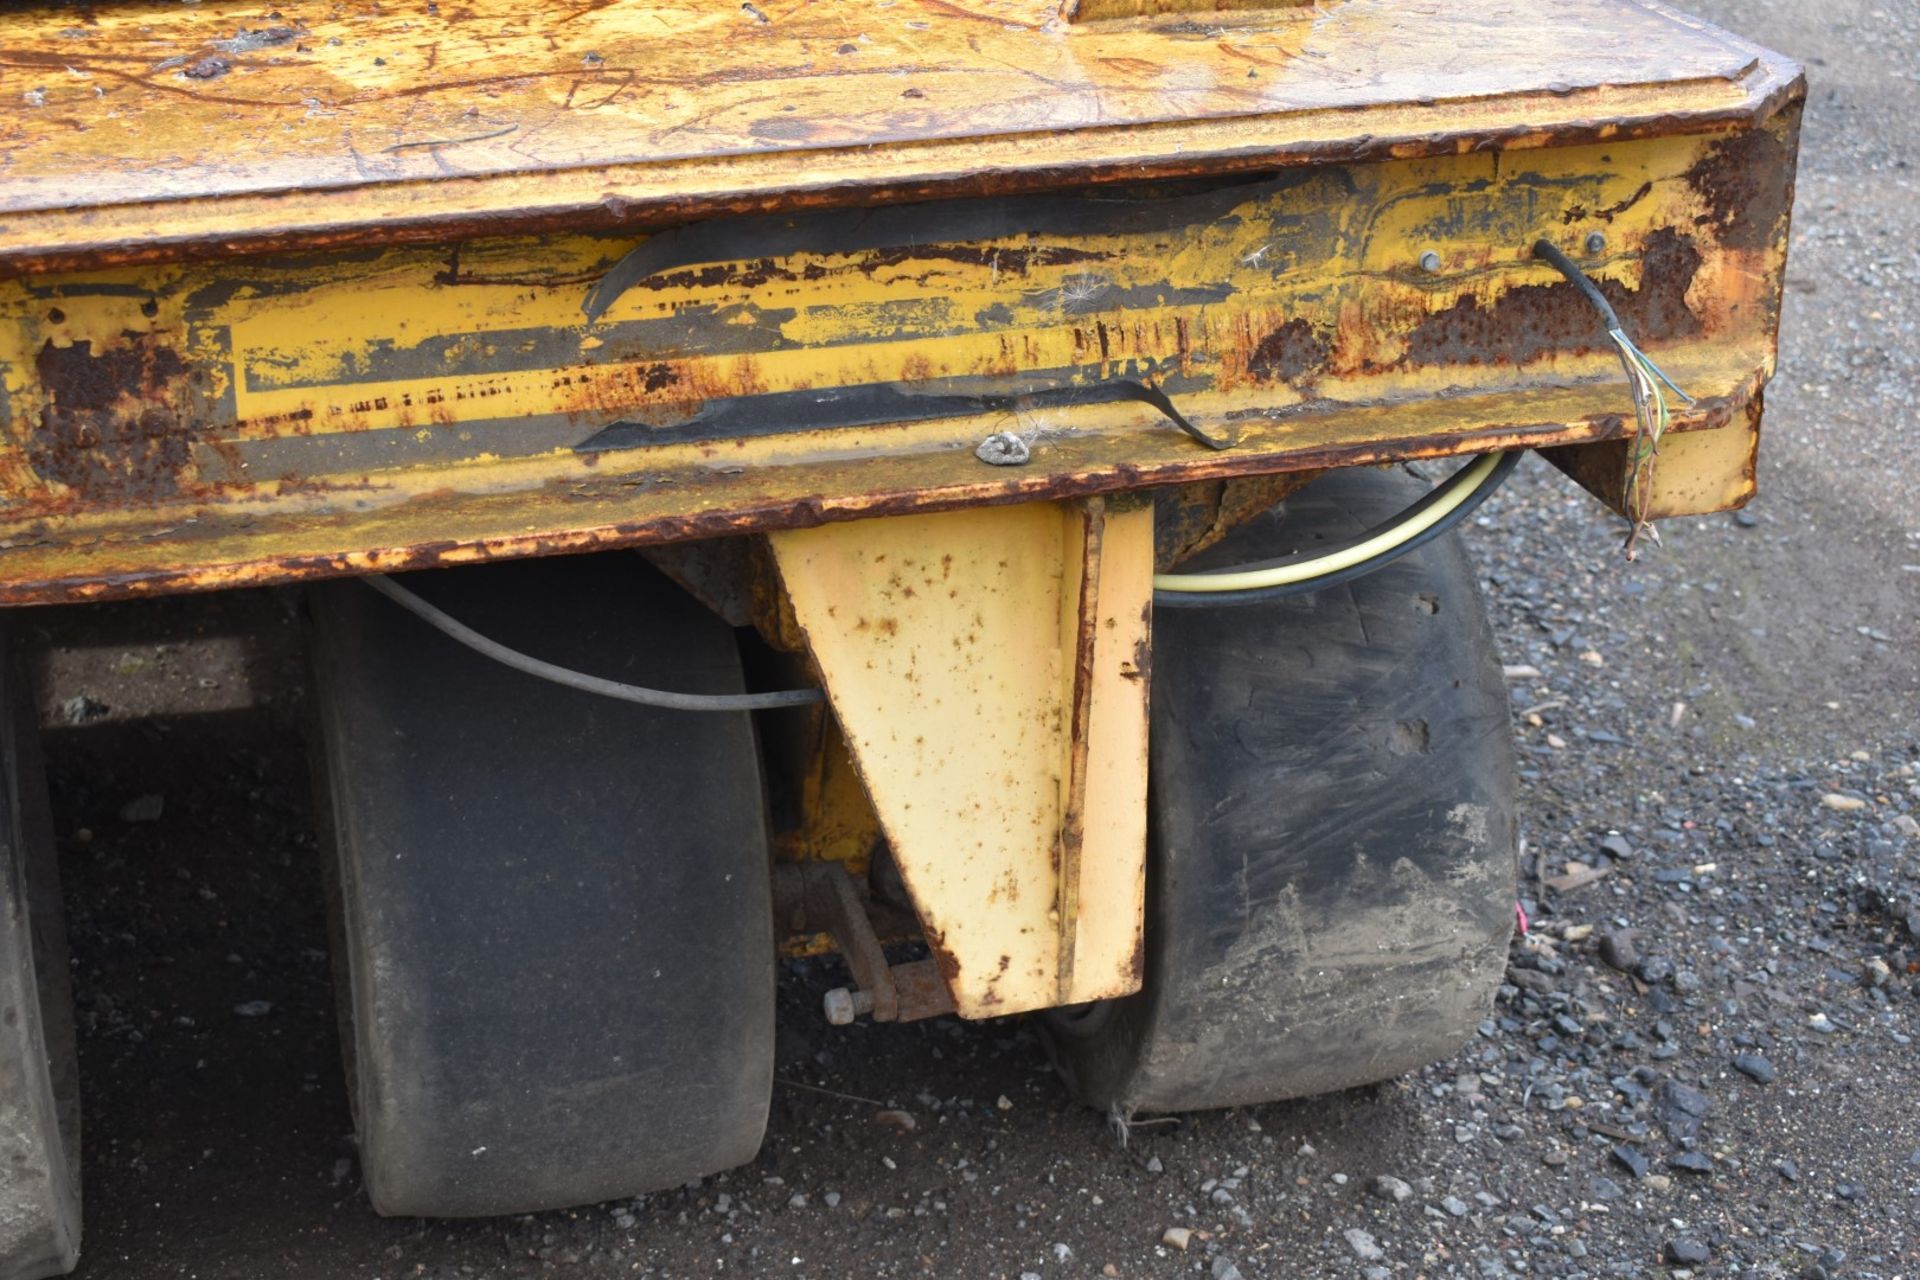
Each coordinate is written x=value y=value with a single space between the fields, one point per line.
x=1439 y=510
x=1644 y=379
x=459 y=631
x=1451 y=501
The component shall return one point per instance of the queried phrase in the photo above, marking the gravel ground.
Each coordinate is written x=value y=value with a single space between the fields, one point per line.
x=1702 y=1063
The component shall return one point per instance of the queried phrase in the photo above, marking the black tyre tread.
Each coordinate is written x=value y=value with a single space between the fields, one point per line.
x=1331 y=881
x=39 y=1089
x=554 y=907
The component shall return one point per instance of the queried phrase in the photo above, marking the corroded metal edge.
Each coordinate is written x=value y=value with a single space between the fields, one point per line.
x=284 y=547
x=640 y=198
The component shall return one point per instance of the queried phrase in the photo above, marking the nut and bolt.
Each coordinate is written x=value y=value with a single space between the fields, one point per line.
x=843 y=1006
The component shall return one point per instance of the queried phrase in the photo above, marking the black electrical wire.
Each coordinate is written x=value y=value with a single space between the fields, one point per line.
x=457 y=630
x=1644 y=379
x=1440 y=493
x=1565 y=266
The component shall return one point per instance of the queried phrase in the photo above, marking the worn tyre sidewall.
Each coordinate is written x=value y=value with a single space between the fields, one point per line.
x=39 y=1104
x=1325 y=963
x=485 y=965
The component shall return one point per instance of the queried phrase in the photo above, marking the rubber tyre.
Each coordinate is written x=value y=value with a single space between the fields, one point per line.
x=1331 y=869
x=553 y=908
x=39 y=1087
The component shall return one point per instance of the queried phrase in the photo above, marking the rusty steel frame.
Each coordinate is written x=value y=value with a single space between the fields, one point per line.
x=355 y=340
x=389 y=288
x=192 y=427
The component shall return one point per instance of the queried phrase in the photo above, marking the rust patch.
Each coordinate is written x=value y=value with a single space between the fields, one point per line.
x=1746 y=182
x=1294 y=353
x=921 y=993
x=748 y=275
x=1534 y=320
x=114 y=426
x=1189 y=518
x=942 y=956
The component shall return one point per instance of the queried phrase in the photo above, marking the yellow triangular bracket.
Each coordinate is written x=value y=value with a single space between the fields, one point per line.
x=990 y=669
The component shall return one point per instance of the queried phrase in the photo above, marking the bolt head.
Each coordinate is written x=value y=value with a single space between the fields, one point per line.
x=1430 y=263
x=1596 y=244
x=838 y=1006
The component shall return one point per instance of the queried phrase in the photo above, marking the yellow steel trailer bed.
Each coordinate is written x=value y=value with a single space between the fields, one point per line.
x=295 y=291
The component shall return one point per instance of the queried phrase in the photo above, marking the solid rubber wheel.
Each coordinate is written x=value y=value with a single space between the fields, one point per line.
x=1331 y=872
x=39 y=1090
x=553 y=907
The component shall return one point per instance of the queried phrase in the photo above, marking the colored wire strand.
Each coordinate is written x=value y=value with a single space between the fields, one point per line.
x=454 y=629
x=1648 y=385
x=1453 y=500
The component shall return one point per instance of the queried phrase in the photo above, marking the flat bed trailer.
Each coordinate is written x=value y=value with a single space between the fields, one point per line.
x=922 y=347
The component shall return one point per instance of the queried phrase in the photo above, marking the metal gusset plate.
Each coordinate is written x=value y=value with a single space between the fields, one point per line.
x=990 y=671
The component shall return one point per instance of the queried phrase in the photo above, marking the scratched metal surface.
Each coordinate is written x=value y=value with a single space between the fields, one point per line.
x=148 y=129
